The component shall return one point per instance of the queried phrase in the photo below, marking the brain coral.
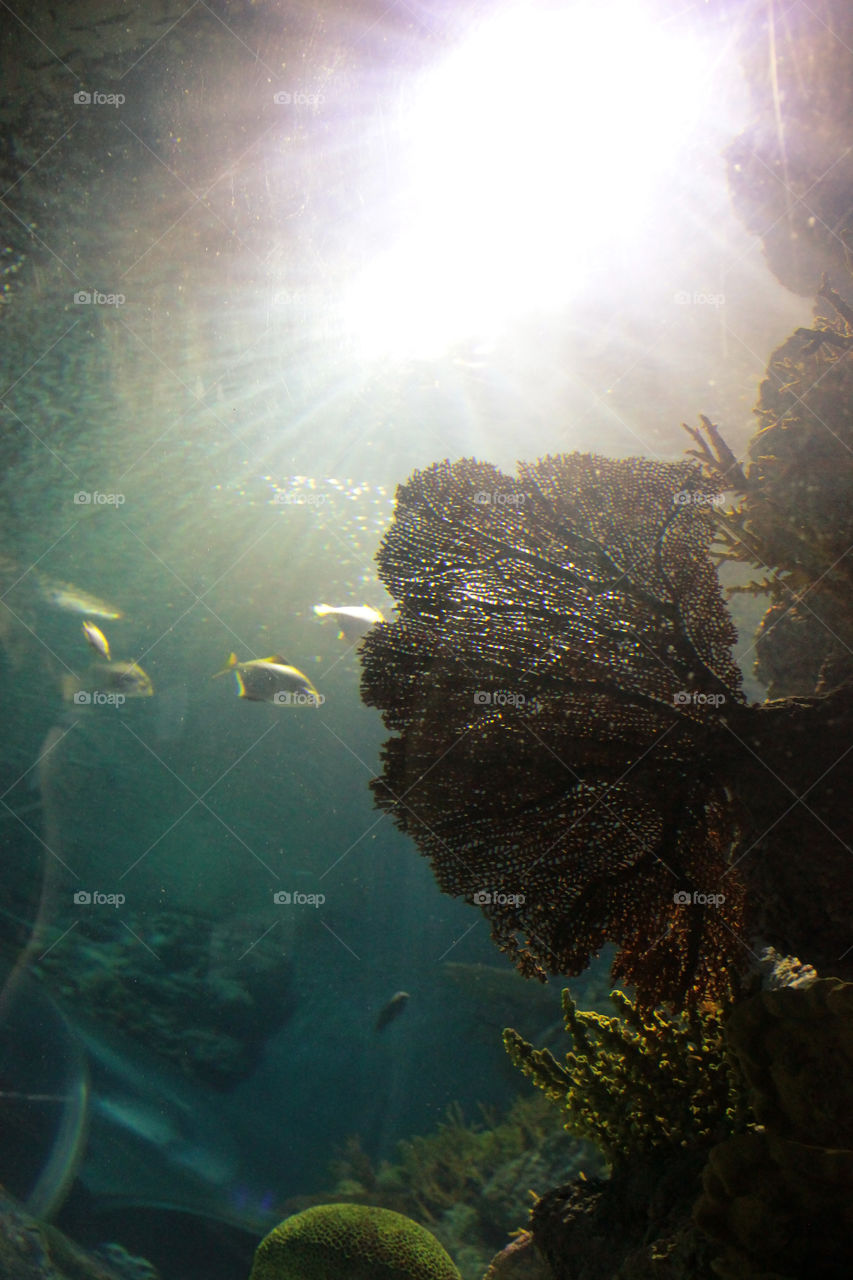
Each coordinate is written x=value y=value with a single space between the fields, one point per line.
x=351 y=1241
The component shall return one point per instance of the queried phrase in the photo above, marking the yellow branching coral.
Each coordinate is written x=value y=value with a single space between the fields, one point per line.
x=640 y=1081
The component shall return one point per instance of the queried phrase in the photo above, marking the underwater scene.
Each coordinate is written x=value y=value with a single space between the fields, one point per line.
x=426 y=640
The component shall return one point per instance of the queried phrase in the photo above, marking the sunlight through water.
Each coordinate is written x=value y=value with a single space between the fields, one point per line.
x=537 y=143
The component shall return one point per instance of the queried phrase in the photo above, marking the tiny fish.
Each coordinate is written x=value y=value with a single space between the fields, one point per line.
x=353 y=621
x=392 y=1010
x=64 y=595
x=271 y=680
x=97 y=639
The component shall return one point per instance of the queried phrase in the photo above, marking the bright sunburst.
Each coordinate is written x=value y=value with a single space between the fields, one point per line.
x=530 y=150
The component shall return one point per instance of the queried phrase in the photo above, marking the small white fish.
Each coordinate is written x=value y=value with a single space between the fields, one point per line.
x=64 y=595
x=353 y=621
x=97 y=639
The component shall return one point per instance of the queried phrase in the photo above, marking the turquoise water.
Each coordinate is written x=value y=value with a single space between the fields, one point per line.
x=194 y=437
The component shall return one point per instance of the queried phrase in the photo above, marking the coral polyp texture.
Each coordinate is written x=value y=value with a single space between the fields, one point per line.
x=359 y=1242
x=559 y=673
x=640 y=1082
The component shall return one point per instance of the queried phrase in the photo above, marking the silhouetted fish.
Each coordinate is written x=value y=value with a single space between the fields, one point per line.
x=392 y=1009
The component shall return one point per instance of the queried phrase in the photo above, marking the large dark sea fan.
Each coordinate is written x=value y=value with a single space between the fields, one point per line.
x=559 y=680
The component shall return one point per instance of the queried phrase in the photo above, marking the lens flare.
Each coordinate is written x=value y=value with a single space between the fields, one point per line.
x=531 y=151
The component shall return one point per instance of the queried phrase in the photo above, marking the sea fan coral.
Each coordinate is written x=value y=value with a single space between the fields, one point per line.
x=574 y=754
x=560 y=669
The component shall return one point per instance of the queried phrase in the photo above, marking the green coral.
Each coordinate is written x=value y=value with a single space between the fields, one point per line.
x=454 y=1164
x=638 y=1082
x=351 y=1242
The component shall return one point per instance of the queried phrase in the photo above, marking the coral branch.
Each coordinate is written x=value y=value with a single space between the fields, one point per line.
x=638 y=1082
x=718 y=461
